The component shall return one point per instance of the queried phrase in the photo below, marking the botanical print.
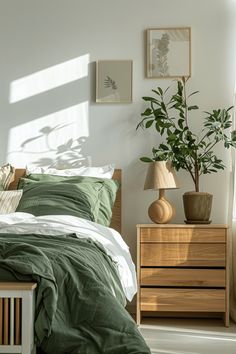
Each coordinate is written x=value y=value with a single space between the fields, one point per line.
x=112 y=89
x=114 y=81
x=168 y=52
x=161 y=50
x=108 y=82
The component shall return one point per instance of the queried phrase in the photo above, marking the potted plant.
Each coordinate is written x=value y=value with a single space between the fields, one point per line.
x=169 y=114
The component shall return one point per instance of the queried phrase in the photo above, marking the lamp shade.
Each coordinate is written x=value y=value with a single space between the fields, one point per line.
x=161 y=175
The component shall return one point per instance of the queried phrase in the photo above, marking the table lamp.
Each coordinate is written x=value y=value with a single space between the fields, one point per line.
x=161 y=175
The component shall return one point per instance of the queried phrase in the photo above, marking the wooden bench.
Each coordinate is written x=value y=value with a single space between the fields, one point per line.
x=17 y=317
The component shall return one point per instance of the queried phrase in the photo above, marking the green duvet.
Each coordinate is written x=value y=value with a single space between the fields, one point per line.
x=79 y=299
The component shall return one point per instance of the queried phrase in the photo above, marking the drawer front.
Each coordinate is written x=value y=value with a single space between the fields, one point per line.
x=202 y=300
x=182 y=277
x=201 y=235
x=182 y=254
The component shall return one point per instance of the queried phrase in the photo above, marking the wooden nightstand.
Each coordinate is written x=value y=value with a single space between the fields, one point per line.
x=183 y=268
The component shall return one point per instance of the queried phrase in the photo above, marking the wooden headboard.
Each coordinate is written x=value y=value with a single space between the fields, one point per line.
x=116 y=215
x=116 y=212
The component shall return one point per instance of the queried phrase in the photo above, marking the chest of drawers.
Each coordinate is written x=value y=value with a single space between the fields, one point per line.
x=182 y=268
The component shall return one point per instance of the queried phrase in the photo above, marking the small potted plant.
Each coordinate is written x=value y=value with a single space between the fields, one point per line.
x=169 y=114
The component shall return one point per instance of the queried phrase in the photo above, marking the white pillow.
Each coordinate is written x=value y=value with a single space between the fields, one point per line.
x=9 y=200
x=99 y=172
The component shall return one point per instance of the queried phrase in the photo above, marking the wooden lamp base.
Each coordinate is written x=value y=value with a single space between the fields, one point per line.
x=161 y=211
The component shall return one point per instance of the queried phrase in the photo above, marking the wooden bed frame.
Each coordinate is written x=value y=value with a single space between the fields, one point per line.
x=17 y=299
x=17 y=318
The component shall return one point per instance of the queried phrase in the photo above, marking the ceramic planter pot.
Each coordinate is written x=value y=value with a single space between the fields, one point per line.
x=197 y=207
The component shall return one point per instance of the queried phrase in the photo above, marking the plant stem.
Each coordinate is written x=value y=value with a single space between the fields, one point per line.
x=189 y=170
x=196 y=172
x=209 y=148
x=185 y=103
x=165 y=110
x=202 y=138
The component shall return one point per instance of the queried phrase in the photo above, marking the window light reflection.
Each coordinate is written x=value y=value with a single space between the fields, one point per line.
x=49 y=78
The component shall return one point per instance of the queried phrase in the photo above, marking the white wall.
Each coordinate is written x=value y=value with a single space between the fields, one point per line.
x=36 y=35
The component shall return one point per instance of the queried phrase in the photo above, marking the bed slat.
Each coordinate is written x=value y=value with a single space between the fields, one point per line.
x=17 y=321
x=10 y=321
x=1 y=321
x=6 y=321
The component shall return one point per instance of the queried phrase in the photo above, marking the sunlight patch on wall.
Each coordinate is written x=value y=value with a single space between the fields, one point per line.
x=49 y=78
x=53 y=140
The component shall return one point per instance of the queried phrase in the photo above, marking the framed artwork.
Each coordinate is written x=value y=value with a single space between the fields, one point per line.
x=114 y=81
x=168 y=52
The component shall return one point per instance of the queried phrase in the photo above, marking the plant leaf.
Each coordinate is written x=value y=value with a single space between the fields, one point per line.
x=193 y=93
x=190 y=108
x=149 y=123
x=109 y=83
x=146 y=159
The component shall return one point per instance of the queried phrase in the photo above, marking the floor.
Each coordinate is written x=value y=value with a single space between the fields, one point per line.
x=189 y=336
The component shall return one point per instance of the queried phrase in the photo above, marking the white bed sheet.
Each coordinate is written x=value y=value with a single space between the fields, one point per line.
x=112 y=241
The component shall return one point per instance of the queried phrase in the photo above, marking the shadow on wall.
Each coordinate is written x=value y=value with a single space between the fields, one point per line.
x=67 y=155
x=54 y=140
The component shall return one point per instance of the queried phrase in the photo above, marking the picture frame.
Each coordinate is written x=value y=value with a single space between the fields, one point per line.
x=114 y=81
x=168 y=52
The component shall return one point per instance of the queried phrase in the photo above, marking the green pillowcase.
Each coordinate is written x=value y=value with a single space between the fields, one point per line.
x=87 y=197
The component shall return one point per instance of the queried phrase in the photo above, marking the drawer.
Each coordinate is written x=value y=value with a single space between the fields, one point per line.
x=182 y=254
x=182 y=277
x=171 y=299
x=198 y=235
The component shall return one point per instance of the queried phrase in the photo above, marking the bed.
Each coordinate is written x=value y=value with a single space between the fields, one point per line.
x=84 y=275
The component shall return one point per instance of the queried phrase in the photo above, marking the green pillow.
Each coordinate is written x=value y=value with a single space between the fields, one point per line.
x=49 y=198
x=98 y=193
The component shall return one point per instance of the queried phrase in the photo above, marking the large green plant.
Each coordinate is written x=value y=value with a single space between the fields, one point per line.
x=169 y=113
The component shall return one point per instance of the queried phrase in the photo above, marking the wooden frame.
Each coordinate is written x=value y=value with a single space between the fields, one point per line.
x=114 y=81
x=116 y=215
x=168 y=52
x=17 y=318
